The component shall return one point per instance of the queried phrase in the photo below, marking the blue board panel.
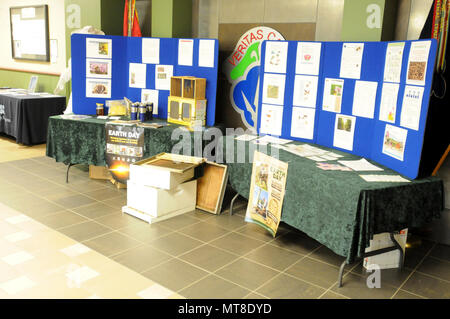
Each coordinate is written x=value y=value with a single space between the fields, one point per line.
x=128 y=50
x=369 y=132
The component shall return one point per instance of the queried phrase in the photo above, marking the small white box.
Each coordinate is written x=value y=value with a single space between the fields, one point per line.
x=157 y=202
x=387 y=260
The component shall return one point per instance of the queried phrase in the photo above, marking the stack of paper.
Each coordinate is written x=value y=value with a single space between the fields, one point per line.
x=361 y=165
x=384 y=178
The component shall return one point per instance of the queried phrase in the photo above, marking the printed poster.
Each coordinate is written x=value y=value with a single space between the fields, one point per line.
x=138 y=75
x=151 y=96
x=344 y=131
x=394 y=141
x=308 y=58
x=393 y=64
x=185 y=51
x=150 y=50
x=388 y=105
x=98 y=68
x=98 y=88
x=271 y=119
x=163 y=73
x=98 y=48
x=364 y=99
x=417 y=63
x=206 y=53
x=351 y=60
x=273 y=89
x=411 y=107
x=276 y=57
x=267 y=191
x=124 y=146
x=332 y=95
x=302 y=125
x=305 y=90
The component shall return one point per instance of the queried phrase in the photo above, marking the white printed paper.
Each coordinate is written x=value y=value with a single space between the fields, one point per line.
x=271 y=119
x=245 y=137
x=206 y=53
x=308 y=58
x=305 y=90
x=384 y=178
x=388 y=104
x=150 y=50
x=98 y=88
x=276 y=56
x=151 y=96
x=163 y=73
x=344 y=129
x=394 y=141
x=99 y=68
x=351 y=60
x=393 y=64
x=417 y=62
x=361 y=165
x=273 y=89
x=98 y=48
x=332 y=95
x=411 y=107
x=138 y=75
x=185 y=51
x=302 y=125
x=364 y=98
x=274 y=140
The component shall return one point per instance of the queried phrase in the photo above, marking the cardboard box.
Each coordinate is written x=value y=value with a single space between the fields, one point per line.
x=99 y=172
x=158 y=202
x=387 y=260
x=164 y=170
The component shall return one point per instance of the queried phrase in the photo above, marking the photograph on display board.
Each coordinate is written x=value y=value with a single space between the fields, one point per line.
x=417 y=63
x=302 y=125
x=364 y=99
x=388 y=104
x=411 y=107
x=351 y=60
x=98 y=48
x=344 y=130
x=98 y=88
x=394 y=141
x=267 y=190
x=393 y=64
x=332 y=95
x=162 y=77
x=98 y=68
x=308 y=58
x=305 y=90
x=273 y=89
x=276 y=57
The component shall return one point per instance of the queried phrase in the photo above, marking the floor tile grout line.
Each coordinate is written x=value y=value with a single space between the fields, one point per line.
x=413 y=271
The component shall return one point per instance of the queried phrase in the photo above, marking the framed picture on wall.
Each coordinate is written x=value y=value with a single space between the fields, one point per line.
x=29 y=33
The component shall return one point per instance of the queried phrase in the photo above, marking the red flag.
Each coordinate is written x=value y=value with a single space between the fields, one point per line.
x=131 y=20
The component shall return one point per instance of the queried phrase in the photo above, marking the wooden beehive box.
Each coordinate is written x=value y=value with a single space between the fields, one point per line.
x=188 y=87
x=211 y=187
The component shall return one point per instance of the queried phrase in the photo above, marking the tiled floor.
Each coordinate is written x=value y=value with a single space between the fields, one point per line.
x=197 y=255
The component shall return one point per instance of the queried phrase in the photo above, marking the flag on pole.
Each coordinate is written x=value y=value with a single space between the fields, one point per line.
x=131 y=20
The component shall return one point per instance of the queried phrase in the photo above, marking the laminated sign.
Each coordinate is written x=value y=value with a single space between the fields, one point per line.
x=267 y=190
x=124 y=146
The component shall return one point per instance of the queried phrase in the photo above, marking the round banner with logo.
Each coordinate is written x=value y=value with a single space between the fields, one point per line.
x=242 y=71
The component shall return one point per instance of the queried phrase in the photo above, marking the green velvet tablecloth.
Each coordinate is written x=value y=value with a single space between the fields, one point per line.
x=338 y=208
x=82 y=141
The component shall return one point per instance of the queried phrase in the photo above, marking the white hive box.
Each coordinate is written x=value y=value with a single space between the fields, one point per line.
x=164 y=170
x=387 y=260
x=157 y=202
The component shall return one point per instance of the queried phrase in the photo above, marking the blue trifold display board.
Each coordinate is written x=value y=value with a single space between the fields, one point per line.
x=126 y=50
x=369 y=131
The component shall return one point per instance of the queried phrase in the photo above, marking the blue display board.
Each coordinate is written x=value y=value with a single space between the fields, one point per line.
x=401 y=149
x=126 y=50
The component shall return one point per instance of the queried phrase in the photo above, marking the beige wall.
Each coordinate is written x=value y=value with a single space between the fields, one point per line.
x=56 y=31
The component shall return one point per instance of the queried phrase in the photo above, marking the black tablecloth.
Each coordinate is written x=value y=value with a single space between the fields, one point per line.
x=25 y=117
